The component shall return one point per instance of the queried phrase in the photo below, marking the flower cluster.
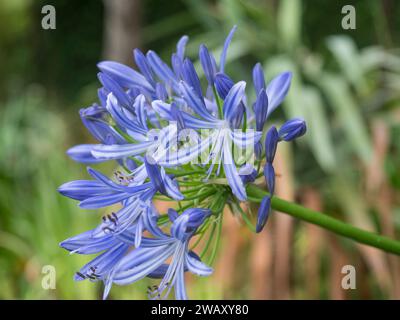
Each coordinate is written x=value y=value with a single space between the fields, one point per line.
x=175 y=141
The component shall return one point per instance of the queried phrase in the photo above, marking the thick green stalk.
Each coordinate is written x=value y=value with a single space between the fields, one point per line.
x=327 y=222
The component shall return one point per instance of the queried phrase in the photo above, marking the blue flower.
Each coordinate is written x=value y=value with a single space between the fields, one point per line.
x=135 y=197
x=150 y=259
x=143 y=120
x=222 y=136
x=112 y=247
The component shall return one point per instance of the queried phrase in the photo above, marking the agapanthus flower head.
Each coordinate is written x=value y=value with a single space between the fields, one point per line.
x=173 y=139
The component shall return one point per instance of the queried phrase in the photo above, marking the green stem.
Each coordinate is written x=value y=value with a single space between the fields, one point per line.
x=183 y=174
x=327 y=222
x=217 y=241
x=219 y=104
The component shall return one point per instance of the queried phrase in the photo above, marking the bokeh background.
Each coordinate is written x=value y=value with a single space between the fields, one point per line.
x=346 y=85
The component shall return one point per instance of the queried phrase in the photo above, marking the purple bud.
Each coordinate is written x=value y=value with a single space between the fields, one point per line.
x=208 y=64
x=269 y=174
x=292 y=129
x=247 y=173
x=181 y=46
x=271 y=142
x=258 y=150
x=263 y=213
x=190 y=76
x=143 y=65
x=258 y=77
x=261 y=109
x=223 y=84
x=277 y=90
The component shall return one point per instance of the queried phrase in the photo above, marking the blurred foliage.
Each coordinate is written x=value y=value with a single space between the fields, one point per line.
x=33 y=218
x=345 y=82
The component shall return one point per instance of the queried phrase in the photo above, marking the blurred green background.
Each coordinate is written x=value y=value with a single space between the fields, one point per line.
x=346 y=85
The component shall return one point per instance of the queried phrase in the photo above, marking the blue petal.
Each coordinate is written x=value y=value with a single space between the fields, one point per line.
x=179 y=227
x=102 y=95
x=177 y=116
x=125 y=76
x=258 y=78
x=194 y=102
x=113 y=86
x=172 y=187
x=277 y=90
x=176 y=63
x=163 y=109
x=159 y=272
x=208 y=64
x=190 y=76
x=197 y=267
x=104 y=262
x=197 y=216
x=172 y=214
x=115 y=186
x=162 y=70
x=82 y=189
x=142 y=270
x=143 y=66
x=138 y=232
x=234 y=97
x=83 y=153
x=180 y=288
x=154 y=174
x=225 y=49
x=161 y=92
x=120 y=151
x=150 y=222
x=140 y=108
x=237 y=120
x=232 y=175
x=140 y=255
x=245 y=139
x=95 y=120
x=103 y=200
x=223 y=84
x=180 y=47
x=248 y=173
x=122 y=117
x=196 y=123
x=186 y=155
x=86 y=243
